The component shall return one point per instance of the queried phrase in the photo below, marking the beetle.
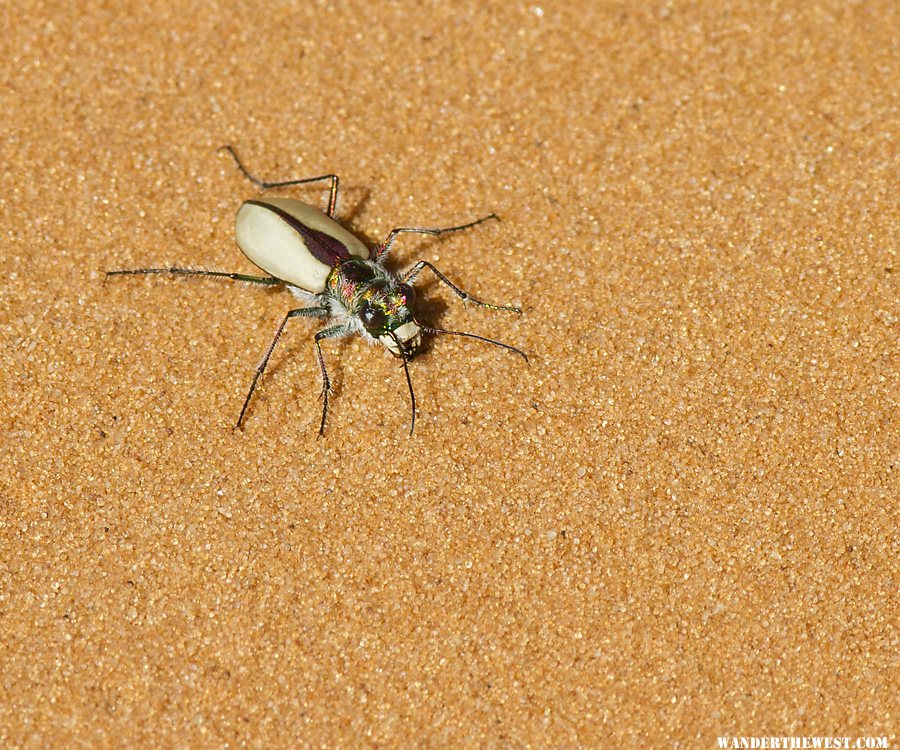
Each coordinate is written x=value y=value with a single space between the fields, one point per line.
x=335 y=275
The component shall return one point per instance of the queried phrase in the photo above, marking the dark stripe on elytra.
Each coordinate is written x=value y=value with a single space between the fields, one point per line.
x=324 y=248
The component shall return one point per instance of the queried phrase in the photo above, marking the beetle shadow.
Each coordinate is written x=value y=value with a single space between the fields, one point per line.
x=430 y=311
x=349 y=217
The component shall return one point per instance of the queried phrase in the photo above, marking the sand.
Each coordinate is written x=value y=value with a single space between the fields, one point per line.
x=677 y=522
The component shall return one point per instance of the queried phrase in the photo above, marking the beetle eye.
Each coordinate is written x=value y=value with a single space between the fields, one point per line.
x=372 y=318
x=408 y=294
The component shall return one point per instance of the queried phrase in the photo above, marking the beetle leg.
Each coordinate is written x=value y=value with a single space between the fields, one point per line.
x=386 y=245
x=267 y=280
x=317 y=312
x=264 y=185
x=334 y=332
x=464 y=296
x=412 y=393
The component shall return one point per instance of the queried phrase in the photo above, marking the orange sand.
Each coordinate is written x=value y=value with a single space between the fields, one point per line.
x=678 y=522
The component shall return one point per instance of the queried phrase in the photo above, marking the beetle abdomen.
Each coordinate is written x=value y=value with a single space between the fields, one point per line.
x=294 y=241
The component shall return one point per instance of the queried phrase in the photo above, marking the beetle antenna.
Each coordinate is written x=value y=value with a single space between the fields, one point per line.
x=427 y=329
x=412 y=395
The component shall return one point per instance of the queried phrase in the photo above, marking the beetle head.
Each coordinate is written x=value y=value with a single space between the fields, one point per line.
x=386 y=313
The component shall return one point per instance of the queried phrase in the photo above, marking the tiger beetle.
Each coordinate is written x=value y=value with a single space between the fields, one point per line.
x=336 y=277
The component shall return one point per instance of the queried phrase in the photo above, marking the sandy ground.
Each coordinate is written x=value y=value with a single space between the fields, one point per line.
x=678 y=522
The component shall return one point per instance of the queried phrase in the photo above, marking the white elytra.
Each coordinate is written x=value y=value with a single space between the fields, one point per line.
x=276 y=247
